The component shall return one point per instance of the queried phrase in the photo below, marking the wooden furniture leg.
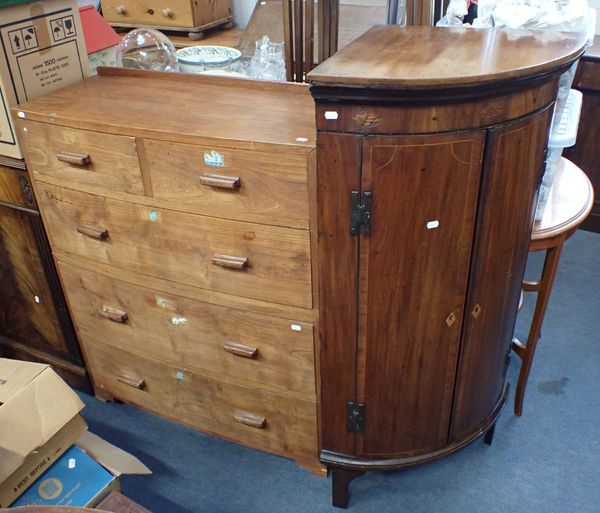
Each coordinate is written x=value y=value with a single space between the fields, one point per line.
x=527 y=351
x=489 y=435
x=341 y=479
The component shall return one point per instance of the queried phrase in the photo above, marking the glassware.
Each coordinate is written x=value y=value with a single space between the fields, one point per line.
x=147 y=48
x=268 y=62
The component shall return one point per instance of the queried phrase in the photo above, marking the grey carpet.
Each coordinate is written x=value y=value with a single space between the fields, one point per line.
x=546 y=461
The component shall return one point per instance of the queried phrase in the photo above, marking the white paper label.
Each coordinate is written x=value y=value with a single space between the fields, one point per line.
x=296 y=327
x=331 y=114
x=432 y=224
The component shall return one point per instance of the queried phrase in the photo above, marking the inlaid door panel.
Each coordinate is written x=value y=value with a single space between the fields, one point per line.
x=413 y=279
x=27 y=309
x=511 y=177
x=338 y=173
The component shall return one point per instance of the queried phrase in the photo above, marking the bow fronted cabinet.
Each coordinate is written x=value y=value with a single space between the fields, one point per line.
x=430 y=151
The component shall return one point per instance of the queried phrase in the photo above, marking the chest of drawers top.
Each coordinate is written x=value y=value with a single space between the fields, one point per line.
x=178 y=107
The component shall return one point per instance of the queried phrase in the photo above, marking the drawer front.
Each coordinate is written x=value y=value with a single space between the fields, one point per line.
x=256 y=261
x=234 y=184
x=590 y=75
x=15 y=188
x=170 y=13
x=260 y=419
x=263 y=351
x=82 y=158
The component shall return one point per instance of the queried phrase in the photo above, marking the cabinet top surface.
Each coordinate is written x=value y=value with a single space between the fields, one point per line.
x=184 y=107
x=425 y=57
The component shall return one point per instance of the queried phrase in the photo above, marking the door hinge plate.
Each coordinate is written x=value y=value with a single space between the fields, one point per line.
x=360 y=214
x=355 y=416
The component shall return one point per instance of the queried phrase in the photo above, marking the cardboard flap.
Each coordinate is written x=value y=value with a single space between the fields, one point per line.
x=14 y=376
x=116 y=460
x=33 y=416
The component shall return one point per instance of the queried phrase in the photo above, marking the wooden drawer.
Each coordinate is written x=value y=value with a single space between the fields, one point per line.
x=249 y=260
x=175 y=13
x=590 y=75
x=264 y=351
x=59 y=154
x=15 y=187
x=278 y=424
x=235 y=184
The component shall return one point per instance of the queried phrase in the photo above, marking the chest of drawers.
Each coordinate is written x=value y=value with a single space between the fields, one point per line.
x=184 y=247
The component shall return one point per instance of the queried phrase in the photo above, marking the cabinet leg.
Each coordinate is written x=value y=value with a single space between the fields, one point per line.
x=489 y=435
x=340 y=481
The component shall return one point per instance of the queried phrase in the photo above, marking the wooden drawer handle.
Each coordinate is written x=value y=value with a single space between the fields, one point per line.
x=250 y=419
x=240 y=349
x=167 y=13
x=95 y=232
x=113 y=314
x=79 y=159
x=132 y=381
x=231 y=262
x=121 y=9
x=223 y=182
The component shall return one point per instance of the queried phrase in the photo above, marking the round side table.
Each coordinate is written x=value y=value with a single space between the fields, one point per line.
x=570 y=201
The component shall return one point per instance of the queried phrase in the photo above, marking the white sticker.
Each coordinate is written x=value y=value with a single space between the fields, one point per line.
x=25 y=129
x=214 y=158
x=302 y=139
x=331 y=114
x=296 y=327
x=178 y=321
x=37 y=299
x=21 y=114
x=71 y=463
x=432 y=224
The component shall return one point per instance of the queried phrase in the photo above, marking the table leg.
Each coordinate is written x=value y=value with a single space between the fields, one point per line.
x=545 y=288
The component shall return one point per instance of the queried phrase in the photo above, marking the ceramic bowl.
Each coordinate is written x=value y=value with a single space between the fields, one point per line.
x=196 y=59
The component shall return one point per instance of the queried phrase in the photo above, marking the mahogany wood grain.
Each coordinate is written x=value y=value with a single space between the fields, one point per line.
x=203 y=403
x=418 y=117
x=193 y=332
x=413 y=279
x=514 y=164
x=241 y=113
x=338 y=173
x=256 y=186
x=113 y=161
x=425 y=57
x=179 y=247
x=15 y=188
x=27 y=308
x=585 y=152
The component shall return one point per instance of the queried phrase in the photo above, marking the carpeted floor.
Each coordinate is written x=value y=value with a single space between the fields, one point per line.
x=547 y=461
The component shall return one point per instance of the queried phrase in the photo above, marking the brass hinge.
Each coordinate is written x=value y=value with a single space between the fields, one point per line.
x=360 y=213
x=355 y=417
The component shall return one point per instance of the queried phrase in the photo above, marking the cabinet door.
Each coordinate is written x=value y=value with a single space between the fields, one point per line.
x=511 y=176
x=28 y=313
x=413 y=274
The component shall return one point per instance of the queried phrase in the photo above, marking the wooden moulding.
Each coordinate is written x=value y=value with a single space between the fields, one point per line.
x=343 y=461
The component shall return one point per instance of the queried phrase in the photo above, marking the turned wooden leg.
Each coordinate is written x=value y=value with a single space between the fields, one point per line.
x=489 y=435
x=526 y=352
x=340 y=481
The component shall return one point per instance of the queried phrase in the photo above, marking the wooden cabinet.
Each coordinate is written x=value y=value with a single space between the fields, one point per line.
x=34 y=322
x=185 y=249
x=186 y=15
x=427 y=176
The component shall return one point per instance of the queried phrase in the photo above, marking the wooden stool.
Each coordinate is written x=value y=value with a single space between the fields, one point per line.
x=570 y=201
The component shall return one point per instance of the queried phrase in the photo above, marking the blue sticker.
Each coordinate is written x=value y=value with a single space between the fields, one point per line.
x=153 y=216
x=180 y=376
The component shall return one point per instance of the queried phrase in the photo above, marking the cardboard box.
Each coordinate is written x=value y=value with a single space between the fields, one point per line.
x=43 y=50
x=101 y=40
x=39 y=420
x=82 y=476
